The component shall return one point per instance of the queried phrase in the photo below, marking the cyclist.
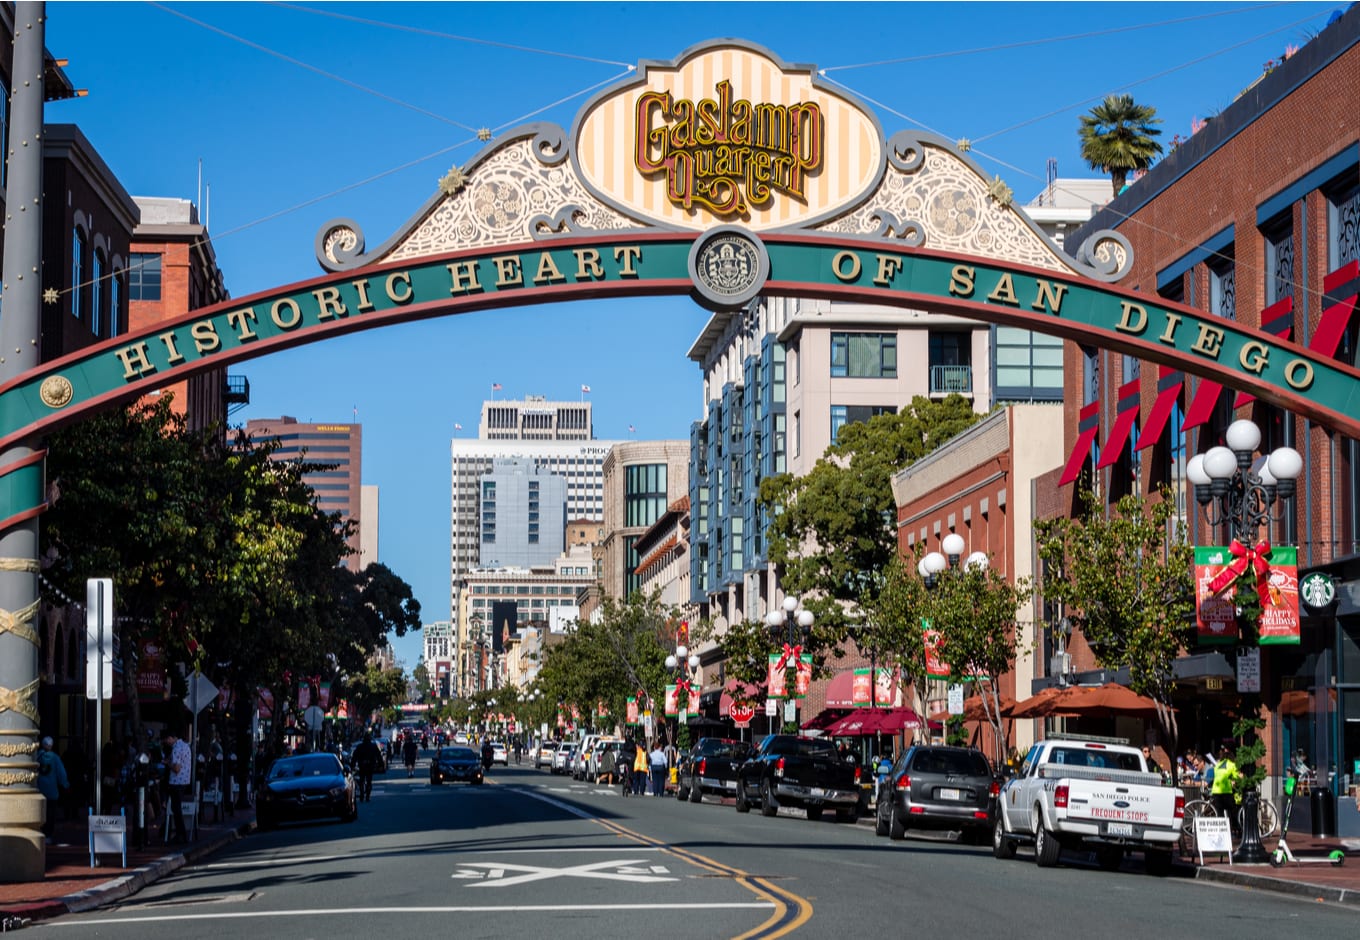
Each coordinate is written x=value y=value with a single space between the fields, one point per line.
x=367 y=758
x=409 y=751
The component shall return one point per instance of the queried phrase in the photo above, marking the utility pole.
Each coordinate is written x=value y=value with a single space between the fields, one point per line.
x=23 y=855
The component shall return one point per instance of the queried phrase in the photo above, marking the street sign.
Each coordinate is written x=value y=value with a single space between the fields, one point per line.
x=202 y=693
x=107 y=834
x=99 y=638
x=1249 y=669
x=1213 y=836
x=741 y=714
x=771 y=707
x=956 y=699
x=314 y=717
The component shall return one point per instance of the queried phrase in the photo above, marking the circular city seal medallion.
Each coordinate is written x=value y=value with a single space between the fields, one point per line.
x=729 y=266
x=1318 y=590
x=56 y=391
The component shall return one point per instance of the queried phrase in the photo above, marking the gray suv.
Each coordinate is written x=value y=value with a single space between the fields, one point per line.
x=937 y=787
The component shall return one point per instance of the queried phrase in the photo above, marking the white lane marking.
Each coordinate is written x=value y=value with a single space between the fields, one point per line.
x=268 y=861
x=451 y=909
x=614 y=870
x=554 y=851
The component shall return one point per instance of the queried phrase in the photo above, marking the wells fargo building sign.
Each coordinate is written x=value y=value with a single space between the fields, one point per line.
x=723 y=174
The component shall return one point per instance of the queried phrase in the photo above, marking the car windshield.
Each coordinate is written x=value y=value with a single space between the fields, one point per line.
x=456 y=753
x=718 y=747
x=316 y=765
x=960 y=763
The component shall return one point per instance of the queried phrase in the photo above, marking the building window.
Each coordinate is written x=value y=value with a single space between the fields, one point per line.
x=1090 y=390
x=97 y=293
x=77 y=273
x=1280 y=259
x=115 y=302
x=644 y=497
x=144 y=276
x=1223 y=287
x=841 y=415
x=864 y=355
x=1343 y=223
x=1029 y=365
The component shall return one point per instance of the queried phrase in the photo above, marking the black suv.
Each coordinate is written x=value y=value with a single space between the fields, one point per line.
x=936 y=787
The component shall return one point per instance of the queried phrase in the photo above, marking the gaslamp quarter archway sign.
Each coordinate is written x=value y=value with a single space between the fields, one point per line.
x=723 y=174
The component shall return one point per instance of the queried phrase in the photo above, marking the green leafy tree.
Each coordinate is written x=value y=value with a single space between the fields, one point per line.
x=375 y=690
x=973 y=612
x=832 y=532
x=1118 y=136
x=1124 y=578
x=423 y=682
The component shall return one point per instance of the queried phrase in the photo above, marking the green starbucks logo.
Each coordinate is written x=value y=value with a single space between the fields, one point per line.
x=1317 y=590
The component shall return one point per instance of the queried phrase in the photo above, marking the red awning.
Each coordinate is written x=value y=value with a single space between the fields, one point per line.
x=874 y=721
x=1338 y=306
x=840 y=690
x=1088 y=429
x=1169 y=383
x=1277 y=320
x=1202 y=406
x=852 y=725
x=824 y=719
x=1126 y=413
x=893 y=720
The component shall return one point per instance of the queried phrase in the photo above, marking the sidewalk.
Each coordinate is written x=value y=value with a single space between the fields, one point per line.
x=71 y=885
x=1318 y=881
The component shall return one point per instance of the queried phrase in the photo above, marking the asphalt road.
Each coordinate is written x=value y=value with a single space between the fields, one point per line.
x=534 y=855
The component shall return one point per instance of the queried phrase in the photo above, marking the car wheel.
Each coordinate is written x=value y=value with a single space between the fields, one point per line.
x=352 y=815
x=436 y=781
x=1002 y=845
x=696 y=793
x=477 y=782
x=682 y=793
x=742 y=805
x=1046 y=846
x=1109 y=857
x=897 y=827
x=768 y=806
x=880 y=822
x=1157 y=863
x=814 y=813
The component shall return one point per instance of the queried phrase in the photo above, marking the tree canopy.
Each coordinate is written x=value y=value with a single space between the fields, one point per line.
x=1117 y=137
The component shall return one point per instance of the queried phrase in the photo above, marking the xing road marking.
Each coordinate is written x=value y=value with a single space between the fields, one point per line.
x=616 y=870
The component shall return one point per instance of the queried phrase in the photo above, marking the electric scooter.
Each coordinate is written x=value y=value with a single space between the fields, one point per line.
x=1281 y=855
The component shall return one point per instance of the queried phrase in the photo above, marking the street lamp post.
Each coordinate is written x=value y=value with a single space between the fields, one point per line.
x=682 y=665
x=933 y=565
x=1238 y=490
x=796 y=622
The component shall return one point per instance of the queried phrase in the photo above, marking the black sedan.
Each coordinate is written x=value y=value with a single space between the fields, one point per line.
x=308 y=786
x=455 y=763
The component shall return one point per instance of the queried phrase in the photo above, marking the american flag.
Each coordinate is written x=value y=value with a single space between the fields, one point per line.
x=585 y=389
x=495 y=386
x=631 y=429
x=458 y=427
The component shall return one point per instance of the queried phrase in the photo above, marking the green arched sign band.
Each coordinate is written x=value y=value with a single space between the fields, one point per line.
x=636 y=264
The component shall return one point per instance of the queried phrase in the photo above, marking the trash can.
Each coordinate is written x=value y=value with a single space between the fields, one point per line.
x=1323 y=806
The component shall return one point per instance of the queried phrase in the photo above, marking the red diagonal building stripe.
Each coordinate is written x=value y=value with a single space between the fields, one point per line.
x=1277 y=320
x=1169 y=382
x=1339 y=286
x=1126 y=413
x=1088 y=427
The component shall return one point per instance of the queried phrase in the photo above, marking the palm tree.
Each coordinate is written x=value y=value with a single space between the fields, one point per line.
x=1117 y=136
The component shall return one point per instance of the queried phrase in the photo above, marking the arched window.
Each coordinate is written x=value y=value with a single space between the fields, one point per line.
x=97 y=293
x=77 y=272
x=115 y=301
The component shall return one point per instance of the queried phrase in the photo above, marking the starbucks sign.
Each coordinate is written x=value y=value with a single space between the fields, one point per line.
x=1318 y=590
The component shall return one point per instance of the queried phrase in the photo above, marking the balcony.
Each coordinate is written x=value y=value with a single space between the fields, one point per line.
x=948 y=380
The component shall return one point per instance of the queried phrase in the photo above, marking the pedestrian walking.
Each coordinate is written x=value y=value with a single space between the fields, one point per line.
x=179 y=763
x=639 y=771
x=657 y=759
x=52 y=783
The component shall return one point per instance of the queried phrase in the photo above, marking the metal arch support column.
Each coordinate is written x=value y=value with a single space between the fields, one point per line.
x=23 y=855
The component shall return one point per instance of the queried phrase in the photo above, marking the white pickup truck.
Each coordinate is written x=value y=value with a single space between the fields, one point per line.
x=1088 y=793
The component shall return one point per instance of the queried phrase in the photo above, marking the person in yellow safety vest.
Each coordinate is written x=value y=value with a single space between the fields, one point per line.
x=1222 y=795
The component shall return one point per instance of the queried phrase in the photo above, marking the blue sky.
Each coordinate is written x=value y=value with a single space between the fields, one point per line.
x=303 y=113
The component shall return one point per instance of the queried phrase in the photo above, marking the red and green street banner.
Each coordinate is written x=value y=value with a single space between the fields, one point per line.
x=632 y=716
x=861 y=687
x=1218 y=569
x=601 y=709
x=936 y=667
x=672 y=701
x=1280 y=602
x=775 y=682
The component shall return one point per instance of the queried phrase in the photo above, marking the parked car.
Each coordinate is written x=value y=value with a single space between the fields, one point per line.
x=790 y=770
x=308 y=786
x=562 y=755
x=499 y=755
x=710 y=767
x=546 y=752
x=937 y=787
x=456 y=763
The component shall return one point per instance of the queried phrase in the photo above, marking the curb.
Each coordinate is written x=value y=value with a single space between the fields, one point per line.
x=124 y=885
x=1300 y=889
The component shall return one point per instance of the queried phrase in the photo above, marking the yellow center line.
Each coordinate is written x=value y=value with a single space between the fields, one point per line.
x=780 y=923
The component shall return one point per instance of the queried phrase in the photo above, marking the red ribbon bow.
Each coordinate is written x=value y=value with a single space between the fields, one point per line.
x=790 y=652
x=1257 y=558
